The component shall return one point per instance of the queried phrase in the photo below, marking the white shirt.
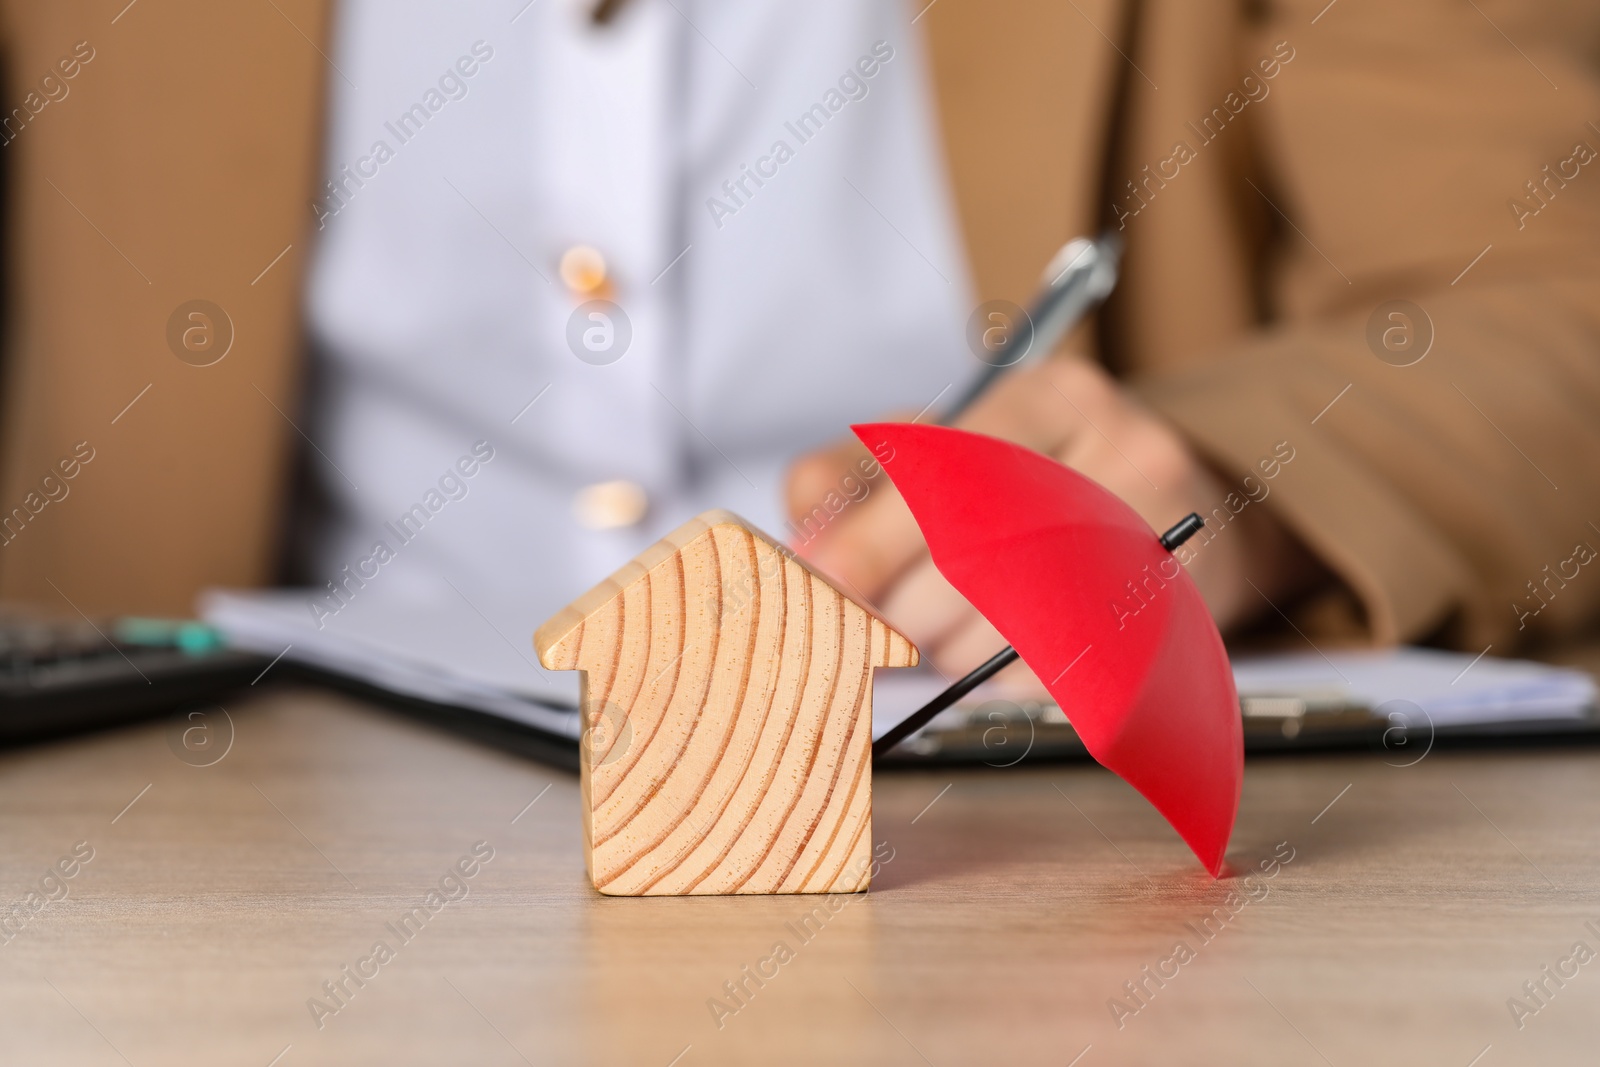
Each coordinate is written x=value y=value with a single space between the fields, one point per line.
x=765 y=315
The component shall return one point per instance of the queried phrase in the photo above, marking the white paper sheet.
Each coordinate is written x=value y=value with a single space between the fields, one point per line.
x=1453 y=689
x=445 y=649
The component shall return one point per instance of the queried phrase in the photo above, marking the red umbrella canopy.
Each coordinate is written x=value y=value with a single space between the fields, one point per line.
x=1104 y=615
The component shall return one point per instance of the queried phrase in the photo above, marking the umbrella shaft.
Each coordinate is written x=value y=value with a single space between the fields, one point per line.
x=920 y=718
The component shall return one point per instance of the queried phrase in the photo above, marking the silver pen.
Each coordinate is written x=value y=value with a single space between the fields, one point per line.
x=1077 y=279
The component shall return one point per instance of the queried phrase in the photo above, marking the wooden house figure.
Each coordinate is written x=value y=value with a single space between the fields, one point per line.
x=727 y=703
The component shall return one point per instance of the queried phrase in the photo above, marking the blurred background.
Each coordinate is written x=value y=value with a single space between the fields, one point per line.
x=434 y=315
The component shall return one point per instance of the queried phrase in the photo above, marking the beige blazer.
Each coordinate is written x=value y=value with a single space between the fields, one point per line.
x=1280 y=170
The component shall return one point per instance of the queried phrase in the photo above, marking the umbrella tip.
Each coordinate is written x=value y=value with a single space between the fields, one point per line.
x=1186 y=528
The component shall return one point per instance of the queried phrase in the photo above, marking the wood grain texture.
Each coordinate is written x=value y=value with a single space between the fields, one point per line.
x=727 y=696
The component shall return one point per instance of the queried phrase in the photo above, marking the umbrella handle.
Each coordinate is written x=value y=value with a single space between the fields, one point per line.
x=1185 y=528
x=919 y=718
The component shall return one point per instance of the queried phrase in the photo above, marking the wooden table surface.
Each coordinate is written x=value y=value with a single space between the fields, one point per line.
x=1012 y=907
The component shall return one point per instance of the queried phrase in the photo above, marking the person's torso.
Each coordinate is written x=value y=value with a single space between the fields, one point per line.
x=765 y=188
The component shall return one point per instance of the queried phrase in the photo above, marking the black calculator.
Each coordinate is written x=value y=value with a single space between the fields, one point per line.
x=60 y=674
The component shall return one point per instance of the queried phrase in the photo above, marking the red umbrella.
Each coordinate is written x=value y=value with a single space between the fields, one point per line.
x=1095 y=603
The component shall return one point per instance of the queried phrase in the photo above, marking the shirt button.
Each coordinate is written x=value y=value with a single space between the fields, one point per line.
x=610 y=505
x=583 y=269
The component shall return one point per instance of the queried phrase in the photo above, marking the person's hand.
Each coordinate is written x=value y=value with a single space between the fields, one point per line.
x=1069 y=409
